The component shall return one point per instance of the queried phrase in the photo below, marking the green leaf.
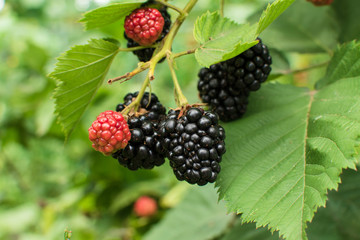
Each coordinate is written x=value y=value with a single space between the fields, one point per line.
x=109 y=14
x=248 y=231
x=79 y=73
x=272 y=12
x=197 y=217
x=341 y=217
x=288 y=152
x=221 y=39
x=344 y=64
x=296 y=30
x=347 y=12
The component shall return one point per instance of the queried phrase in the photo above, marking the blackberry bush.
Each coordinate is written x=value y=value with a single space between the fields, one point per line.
x=144 y=149
x=281 y=161
x=225 y=86
x=194 y=144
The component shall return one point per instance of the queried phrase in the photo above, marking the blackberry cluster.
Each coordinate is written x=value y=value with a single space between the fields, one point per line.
x=226 y=86
x=144 y=149
x=194 y=144
x=145 y=54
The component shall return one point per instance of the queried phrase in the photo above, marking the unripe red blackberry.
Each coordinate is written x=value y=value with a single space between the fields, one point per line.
x=109 y=132
x=195 y=145
x=226 y=86
x=144 y=25
x=321 y=2
x=145 y=54
x=145 y=206
x=144 y=149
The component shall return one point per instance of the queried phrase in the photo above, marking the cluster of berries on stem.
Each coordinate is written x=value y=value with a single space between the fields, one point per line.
x=140 y=135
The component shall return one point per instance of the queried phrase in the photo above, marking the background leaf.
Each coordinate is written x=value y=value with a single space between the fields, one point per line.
x=288 y=151
x=344 y=64
x=80 y=72
x=248 y=231
x=205 y=221
x=341 y=217
x=109 y=14
x=272 y=12
x=297 y=30
x=222 y=39
x=347 y=12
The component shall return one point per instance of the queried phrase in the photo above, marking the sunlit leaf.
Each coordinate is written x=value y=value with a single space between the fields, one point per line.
x=288 y=152
x=79 y=73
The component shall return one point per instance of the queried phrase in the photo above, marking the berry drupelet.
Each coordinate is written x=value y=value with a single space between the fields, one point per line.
x=144 y=149
x=194 y=144
x=226 y=86
x=109 y=132
x=145 y=54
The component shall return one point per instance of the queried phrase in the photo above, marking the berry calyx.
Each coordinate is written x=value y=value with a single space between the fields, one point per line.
x=144 y=25
x=109 y=132
x=145 y=206
x=321 y=2
x=144 y=149
x=194 y=144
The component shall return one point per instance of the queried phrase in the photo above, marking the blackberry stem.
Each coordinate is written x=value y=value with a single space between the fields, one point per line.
x=163 y=50
x=180 y=99
x=179 y=10
x=295 y=71
x=135 y=48
x=141 y=67
x=136 y=103
x=180 y=54
x=222 y=4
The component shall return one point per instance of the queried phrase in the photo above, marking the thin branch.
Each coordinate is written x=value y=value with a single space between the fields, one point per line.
x=180 y=54
x=222 y=4
x=287 y=72
x=181 y=100
x=135 y=48
x=141 y=67
x=179 y=10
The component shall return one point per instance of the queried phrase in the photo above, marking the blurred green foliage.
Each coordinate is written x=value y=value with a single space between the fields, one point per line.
x=46 y=186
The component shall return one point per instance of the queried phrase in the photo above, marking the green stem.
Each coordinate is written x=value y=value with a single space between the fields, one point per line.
x=165 y=45
x=180 y=54
x=135 y=48
x=163 y=50
x=136 y=103
x=304 y=69
x=181 y=100
x=222 y=4
x=179 y=10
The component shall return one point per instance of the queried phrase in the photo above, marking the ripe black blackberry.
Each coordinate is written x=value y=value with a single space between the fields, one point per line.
x=145 y=54
x=226 y=86
x=144 y=149
x=194 y=144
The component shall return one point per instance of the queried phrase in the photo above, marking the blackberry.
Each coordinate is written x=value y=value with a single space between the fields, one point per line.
x=145 y=54
x=226 y=86
x=144 y=149
x=194 y=145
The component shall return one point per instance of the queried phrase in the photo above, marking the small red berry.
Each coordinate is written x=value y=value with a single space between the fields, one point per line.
x=145 y=206
x=109 y=132
x=321 y=2
x=144 y=25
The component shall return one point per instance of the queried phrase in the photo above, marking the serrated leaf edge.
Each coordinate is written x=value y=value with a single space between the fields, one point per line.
x=60 y=82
